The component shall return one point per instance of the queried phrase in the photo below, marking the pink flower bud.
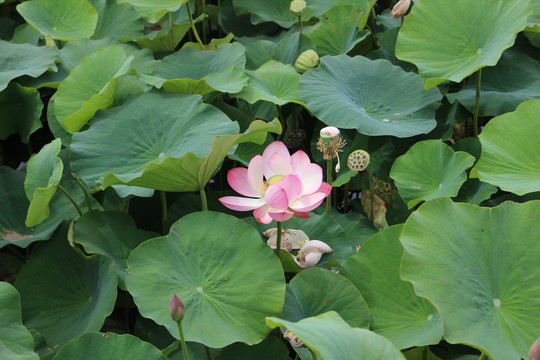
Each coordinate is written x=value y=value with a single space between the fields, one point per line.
x=534 y=353
x=177 y=308
x=400 y=9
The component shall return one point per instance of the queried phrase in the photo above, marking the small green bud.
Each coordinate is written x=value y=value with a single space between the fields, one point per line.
x=306 y=60
x=298 y=7
x=177 y=308
x=358 y=160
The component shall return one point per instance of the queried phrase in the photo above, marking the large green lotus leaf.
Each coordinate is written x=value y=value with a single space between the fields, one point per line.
x=23 y=59
x=90 y=86
x=60 y=19
x=227 y=278
x=111 y=234
x=271 y=348
x=183 y=159
x=153 y=10
x=14 y=206
x=374 y=97
x=338 y=32
x=510 y=153
x=274 y=82
x=318 y=227
x=201 y=72
x=65 y=294
x=331 y=338
x=503 y=87
x=533 y=21
x=397 y=313
x=430 y=169
x=277 y=11
x=108 y=346
x=451 y=40
x=26 y=104
x=26 y=33
x=479 y=266
x=316 y=291
x=119 y=21
x=43 y=175
x=16 y=342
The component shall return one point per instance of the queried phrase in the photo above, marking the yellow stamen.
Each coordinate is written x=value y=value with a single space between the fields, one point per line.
x=275 y=179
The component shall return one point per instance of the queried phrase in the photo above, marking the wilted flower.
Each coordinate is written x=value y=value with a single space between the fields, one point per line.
x=400 y=8
x=311 y=252
x=534 y=353
x=177 y=308
x=306 y=60
x=293 y=340
x=290 y=239
x=278 y=185
x=330 y=142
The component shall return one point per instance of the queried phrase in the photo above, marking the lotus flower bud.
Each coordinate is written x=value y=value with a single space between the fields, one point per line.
x=293 y=340
x=358 y=160
x=177 y=308
x=534 y=353
x=306 y=60
x=310 y=254
x=400 y=9
x=298 y=7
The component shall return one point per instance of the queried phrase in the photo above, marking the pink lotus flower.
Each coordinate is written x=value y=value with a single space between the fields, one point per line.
x=278 y=185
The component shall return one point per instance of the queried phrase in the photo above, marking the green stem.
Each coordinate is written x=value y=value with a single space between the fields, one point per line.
x=477 y=102
x=297 y=357
x=313 y=355
x=483 y=356
x=163 y=207
x=171 y=32
x=372 y=195
x=346 y=198
x=204 y=203
x=195 y=33
x=71 y=199
x=300 y=23
x=425 y=353
x=329 y=181
x=204 y=20
x=278 y=240
x=183 y=340
x=209 y=353
x=86 y=194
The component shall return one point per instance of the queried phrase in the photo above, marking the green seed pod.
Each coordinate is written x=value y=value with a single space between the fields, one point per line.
x=358 y=160
x=298 y=7
x=306 y=60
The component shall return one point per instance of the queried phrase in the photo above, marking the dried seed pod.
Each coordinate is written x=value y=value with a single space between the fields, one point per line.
x=358 y=160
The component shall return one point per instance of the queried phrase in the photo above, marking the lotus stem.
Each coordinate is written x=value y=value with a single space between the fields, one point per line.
x=313 y=355
x=209 y=353
x=477 y=103
x=372 y=196
x=204 y=20
x=278 y=240
x=346 y=197
x=329 y=181
x=163 y=207
x=86 y=194
x=204 y=203
x=193 y=29
x=182 y=340
x=483 y=356
x=171 y=32
x=71 y=199
x=300 y=23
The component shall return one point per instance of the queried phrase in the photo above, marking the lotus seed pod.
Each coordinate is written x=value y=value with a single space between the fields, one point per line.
x=298 y=7
x=306 y=60
x=400 y=9
x=534 y=353
x=358 y=160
